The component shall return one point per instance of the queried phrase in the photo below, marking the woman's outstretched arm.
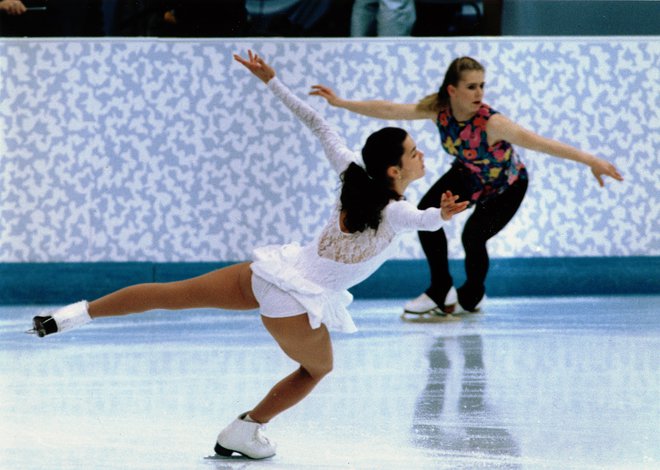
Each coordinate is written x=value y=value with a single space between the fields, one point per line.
x=381 y=109
x=339 y=155
x=502 y=128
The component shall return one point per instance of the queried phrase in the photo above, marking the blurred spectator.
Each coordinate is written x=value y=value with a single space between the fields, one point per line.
x=290 y=18
x=258 y=18
x=12 y=7
x=176 y=18
x=382 y=18
x=439 y=18
x=492 y=19
x=55 y=18
x=458 y=18
x=22 y=18
x=206 y=18
x=75 y=17
x=133 y=18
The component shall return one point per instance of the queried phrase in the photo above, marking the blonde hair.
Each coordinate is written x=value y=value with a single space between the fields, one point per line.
x=438 y=101
x=429 y=103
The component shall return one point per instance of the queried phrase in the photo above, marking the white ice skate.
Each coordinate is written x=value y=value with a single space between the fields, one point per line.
x=63 y=319
x=245 y=438
x=424 y=309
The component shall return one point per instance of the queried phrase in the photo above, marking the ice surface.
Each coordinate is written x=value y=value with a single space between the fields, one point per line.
x=531 y=383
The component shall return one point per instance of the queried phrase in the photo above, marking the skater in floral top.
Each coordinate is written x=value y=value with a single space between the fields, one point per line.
x=486 y=171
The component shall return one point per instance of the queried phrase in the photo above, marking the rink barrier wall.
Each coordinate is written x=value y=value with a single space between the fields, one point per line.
x=164 y=151
x=59 y=283
x=115 y=149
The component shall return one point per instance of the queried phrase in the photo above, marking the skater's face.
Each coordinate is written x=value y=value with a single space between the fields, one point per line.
x=412 y=161
x=466 y=97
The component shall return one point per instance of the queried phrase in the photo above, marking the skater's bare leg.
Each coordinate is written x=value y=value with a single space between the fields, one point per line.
x=311 y=348
x=227 y=288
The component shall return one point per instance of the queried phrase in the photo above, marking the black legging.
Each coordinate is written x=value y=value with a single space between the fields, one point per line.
x=487 y=220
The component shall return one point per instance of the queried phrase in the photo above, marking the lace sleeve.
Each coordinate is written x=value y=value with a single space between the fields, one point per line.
x=333 y=144
x=403 y=217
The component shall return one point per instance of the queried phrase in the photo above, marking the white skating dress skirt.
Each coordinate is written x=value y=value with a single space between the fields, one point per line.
x=318 y=274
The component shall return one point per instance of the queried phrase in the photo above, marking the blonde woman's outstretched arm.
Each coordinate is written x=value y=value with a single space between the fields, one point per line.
x=502 y=128
x=380 y=109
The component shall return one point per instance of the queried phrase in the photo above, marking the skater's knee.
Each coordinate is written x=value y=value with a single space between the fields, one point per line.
x=318 y=371
x=322 y=370
x=473 y=240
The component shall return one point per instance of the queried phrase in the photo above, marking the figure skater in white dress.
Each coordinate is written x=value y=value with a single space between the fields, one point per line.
x=299 y=290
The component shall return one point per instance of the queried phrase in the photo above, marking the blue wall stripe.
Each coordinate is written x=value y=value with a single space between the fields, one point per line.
x=56 y=283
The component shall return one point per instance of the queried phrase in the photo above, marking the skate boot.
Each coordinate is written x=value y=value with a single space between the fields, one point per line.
x=423 y=308
x=470 y=298
x=62 y=319
x=474 y=309
x=245 y=438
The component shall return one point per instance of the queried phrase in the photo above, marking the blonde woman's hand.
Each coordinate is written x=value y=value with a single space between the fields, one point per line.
x=257 y=66
x=602 y=167
x=327 y=93
x=449 y=207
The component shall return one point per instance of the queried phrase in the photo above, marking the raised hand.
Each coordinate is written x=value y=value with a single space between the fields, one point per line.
x=449 y=207
x=257 y=66
x=326 y=93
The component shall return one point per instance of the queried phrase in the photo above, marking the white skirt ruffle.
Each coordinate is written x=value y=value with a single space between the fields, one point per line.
x=275 y=264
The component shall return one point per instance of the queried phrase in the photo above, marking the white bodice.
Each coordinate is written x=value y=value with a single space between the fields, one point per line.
x=351 y=248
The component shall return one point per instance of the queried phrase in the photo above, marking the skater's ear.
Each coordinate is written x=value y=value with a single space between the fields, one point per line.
x=394 y=172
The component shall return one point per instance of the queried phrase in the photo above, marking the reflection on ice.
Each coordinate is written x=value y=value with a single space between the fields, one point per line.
x=452 y=413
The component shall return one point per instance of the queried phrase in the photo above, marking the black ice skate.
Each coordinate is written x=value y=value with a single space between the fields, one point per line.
x=42 y=326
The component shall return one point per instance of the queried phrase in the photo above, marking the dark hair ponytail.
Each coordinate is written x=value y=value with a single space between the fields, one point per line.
x=366 y=191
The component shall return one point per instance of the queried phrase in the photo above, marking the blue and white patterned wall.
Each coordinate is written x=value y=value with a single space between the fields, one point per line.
x=153 y=150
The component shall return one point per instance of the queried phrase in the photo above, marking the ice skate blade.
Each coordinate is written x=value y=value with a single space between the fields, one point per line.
x=463 y=311
x=223 y=453
x=42 y=326
x=427 y=318
x=441 y=311
x=230 y=458
x=37 y=329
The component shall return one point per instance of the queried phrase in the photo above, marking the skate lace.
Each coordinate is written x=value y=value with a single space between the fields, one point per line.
x=260 y=437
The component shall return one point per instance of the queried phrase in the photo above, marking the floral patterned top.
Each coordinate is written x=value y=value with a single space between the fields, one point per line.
x=490 y=170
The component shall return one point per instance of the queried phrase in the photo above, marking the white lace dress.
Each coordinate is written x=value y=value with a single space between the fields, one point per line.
x=318 y=274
